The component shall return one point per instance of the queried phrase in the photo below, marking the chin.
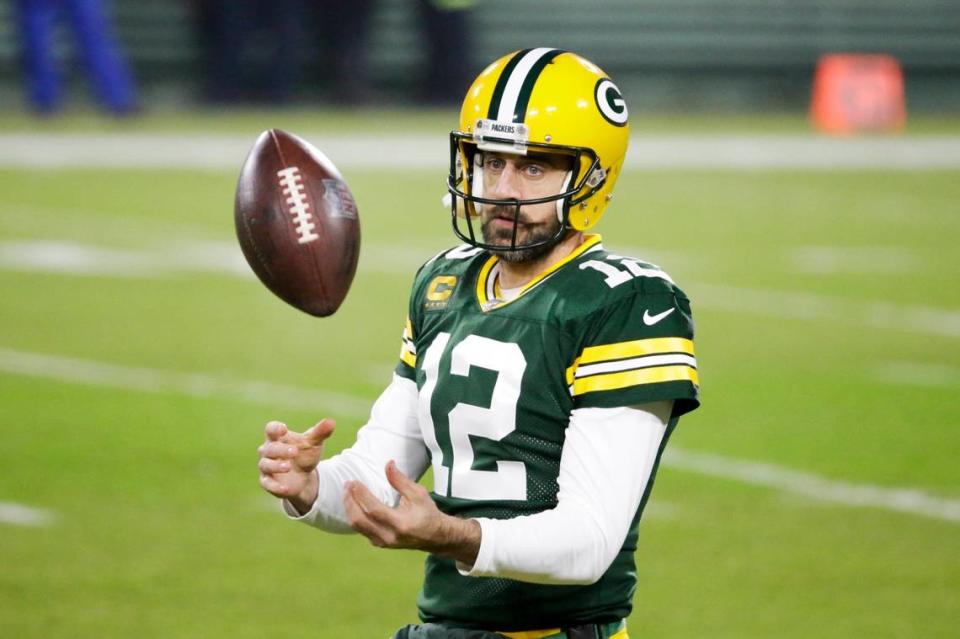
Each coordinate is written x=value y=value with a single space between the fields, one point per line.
x=502 y=238
x=520 y=255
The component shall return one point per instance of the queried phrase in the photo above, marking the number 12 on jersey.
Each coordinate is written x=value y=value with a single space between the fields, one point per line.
x=453 y=472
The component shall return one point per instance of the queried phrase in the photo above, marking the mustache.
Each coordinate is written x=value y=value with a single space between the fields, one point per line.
x=498 y=210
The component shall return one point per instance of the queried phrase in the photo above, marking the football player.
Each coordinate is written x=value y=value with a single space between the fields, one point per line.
x=540 y=377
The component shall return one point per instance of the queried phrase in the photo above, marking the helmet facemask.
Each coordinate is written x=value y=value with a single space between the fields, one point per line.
x=468 y=199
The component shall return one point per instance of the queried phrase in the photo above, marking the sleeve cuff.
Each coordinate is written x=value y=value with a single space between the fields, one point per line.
x=483 y=566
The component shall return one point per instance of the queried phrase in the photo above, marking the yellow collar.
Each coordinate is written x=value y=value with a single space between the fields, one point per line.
x=488 y=286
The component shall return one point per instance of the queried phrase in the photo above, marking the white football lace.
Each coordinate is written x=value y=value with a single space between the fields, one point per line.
x=291 y=183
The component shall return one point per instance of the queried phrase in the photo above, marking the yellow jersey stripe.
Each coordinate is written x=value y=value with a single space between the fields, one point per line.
x=614 y=381
x=408 y=352
x=620 y=633
x=532 y=634
x=635 y=348
x=482 y=280
x=590 y=241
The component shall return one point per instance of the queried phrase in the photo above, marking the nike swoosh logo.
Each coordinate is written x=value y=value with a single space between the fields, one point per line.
x=650 y=320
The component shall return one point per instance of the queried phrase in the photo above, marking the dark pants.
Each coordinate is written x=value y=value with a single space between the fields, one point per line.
x=449 y=66
x=250 y=49
x=433 y=631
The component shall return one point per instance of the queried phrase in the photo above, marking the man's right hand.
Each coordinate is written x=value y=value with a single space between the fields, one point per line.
x=288 y=460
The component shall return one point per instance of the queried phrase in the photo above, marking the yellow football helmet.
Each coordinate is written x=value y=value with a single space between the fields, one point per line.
x=540 y=101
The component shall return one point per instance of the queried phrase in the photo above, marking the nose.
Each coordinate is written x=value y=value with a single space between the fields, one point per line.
x=507 y=184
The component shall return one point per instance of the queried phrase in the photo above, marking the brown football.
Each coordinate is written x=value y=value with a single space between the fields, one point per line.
x=297 y=223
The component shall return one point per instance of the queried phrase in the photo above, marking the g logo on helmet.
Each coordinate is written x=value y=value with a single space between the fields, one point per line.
x=610 y=101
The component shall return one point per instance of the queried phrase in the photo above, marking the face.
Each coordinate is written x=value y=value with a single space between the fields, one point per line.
x=507 y=176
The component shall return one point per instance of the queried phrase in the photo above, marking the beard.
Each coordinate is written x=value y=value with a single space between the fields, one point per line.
x=527 y=233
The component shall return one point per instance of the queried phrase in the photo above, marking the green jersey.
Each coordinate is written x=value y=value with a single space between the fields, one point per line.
x=497 y=383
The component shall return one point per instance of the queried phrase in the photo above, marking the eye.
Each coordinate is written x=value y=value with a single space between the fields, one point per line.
x=493 y=163
x=534 y=170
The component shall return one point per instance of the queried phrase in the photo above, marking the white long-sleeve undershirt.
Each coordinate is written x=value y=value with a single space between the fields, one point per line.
x=392 y=432
x=606 y=463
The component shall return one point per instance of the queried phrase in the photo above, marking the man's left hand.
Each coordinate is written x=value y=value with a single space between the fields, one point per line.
x=415 y=522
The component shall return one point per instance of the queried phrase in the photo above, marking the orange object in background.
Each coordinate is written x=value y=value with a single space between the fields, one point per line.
x=854 y=93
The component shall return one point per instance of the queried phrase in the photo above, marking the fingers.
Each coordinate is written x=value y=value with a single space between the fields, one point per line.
x=274 y=462
x=319 y=433
x=269 y=466
x=371 y=506
x=356 y=501
x=275 y=431
x=275 y=487
x=277 y=450
x=403 y=484
x=287 y=458
x=278 y=432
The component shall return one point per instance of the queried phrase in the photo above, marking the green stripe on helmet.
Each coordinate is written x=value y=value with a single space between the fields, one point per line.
x=523 y=99
x=502 y=83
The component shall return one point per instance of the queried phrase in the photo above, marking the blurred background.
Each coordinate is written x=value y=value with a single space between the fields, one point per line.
x=794 y=165
x=699 y=55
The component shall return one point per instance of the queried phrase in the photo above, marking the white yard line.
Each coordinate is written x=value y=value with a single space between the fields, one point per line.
x=788 y=305
x=752 y=152
x=21 y=515
x=828 y=260
x=431 y=151
x=922 y=374
x=93 y=373
x=74 y=259
x=905 y=500
x=84 y=260
x=177 y=257
x=150 y=380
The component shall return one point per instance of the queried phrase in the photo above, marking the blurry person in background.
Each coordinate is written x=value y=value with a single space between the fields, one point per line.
x=251 y=50
x=260 y=50
x=346 y=33
x=344 y=30
x=95 y=45
x=271 y=51
x=449 y=50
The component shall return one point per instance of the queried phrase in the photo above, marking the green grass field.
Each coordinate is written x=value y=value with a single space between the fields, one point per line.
x=827 y=307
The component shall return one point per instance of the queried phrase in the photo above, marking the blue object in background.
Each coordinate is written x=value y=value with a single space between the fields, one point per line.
x=95 y=45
